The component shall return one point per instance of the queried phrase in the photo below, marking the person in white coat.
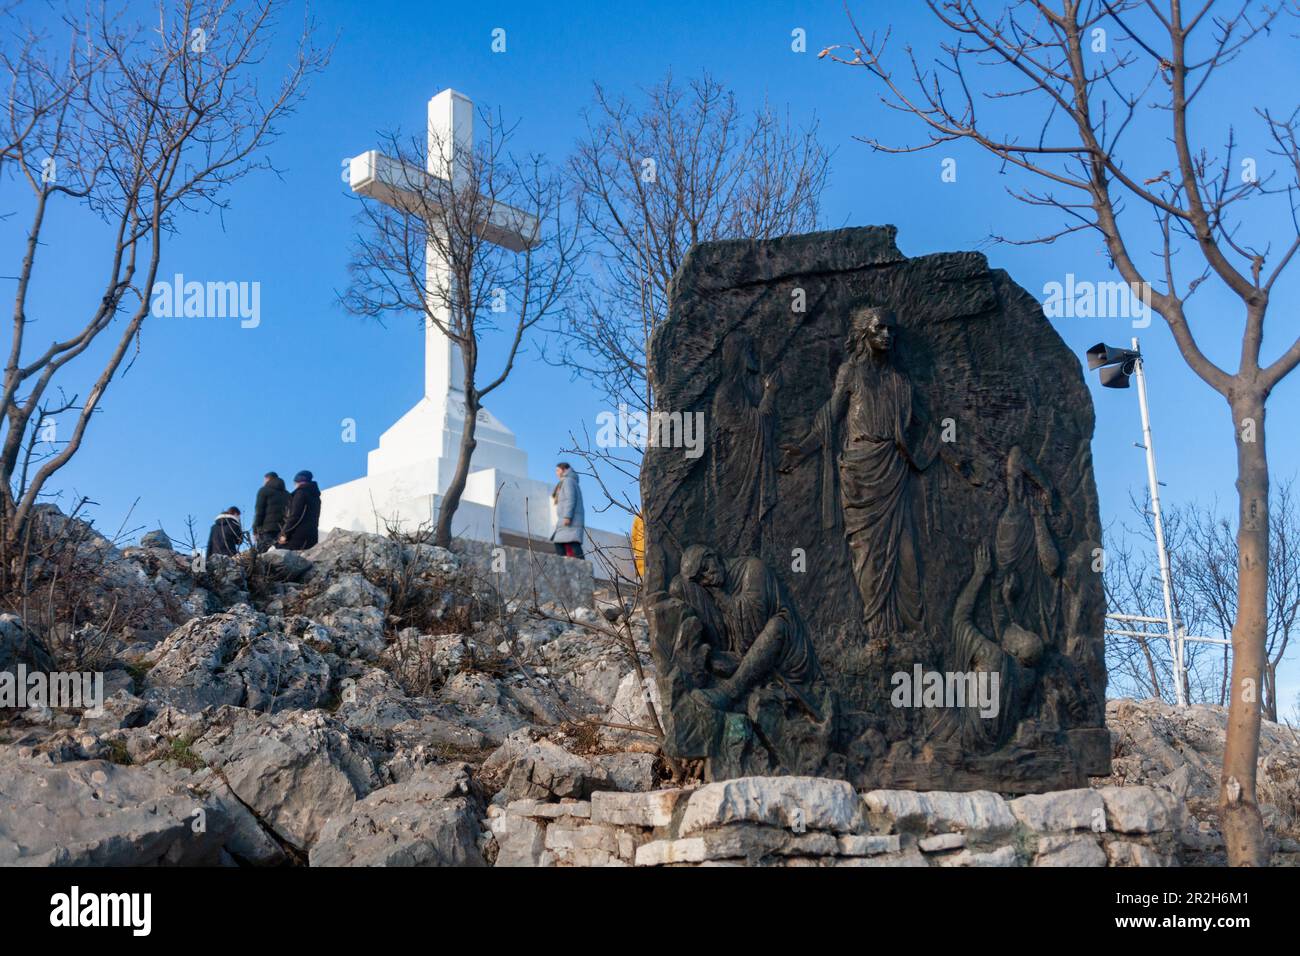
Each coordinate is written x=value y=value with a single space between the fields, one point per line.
x=569 y=519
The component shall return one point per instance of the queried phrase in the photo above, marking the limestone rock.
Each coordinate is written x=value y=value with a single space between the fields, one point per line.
x=1061 y=810
x=18 y=645
x=476 y=700
x=119 y=710
x=239 y=657
x=941 y=842
x=432 y=819
x=626 y=771
x=341 y=552
x=635 y=809
x=95 y=813
x=356 y=632
x=738 y=841
x=909 y=857
x=629 y=708
x=250 y=841
x=546 y=810
x=521 y=841
x=156 y=539
x=565 y=839
x=978 y=813
x=1062 y=850
x=1124 y=853
x=1002 y=856
x=282 y=564
x=869 y=844
x=1140 y=809
x=540 y=769
x=795 y=803
x=295 y=770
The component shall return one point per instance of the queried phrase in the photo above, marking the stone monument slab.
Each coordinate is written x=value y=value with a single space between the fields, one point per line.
x=885 y=567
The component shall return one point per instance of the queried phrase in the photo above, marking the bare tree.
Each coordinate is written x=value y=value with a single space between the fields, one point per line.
x=486 y=287
x=1203 y=563
x=680 y=166
x=1096 y=95
x=1132 y=583
x=1143 y=666
x=1206 y=569
x=136 y=123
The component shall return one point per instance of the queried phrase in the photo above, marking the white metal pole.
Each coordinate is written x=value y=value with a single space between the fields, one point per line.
x=1175 y=645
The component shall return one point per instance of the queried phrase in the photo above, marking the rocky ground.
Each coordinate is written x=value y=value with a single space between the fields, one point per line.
x=372 y=702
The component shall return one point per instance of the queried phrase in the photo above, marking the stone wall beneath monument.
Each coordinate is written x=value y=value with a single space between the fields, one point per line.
x=885 y=565
x=530 y=576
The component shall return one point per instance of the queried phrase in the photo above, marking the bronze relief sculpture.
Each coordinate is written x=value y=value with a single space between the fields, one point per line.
x=867 y=575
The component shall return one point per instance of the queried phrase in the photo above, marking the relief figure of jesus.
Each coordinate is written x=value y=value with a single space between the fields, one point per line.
x=871 y=407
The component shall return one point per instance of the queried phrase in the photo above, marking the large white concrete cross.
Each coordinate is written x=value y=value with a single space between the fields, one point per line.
x=391 y=181
x=408 y=473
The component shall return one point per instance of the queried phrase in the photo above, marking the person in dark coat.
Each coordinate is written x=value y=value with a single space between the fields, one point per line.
x=302 y=523
x=272 y=505
x=226 y=534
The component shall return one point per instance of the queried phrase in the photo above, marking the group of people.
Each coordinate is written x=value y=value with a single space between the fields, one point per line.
x=292 y=520
x=281 y=519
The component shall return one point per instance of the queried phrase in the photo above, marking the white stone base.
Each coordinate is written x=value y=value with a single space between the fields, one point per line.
x=415 y=461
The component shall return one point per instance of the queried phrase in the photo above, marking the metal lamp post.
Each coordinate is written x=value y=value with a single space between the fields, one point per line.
x=1117 y=366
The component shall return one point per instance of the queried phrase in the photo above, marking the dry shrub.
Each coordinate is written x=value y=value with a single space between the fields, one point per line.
x=65 y=586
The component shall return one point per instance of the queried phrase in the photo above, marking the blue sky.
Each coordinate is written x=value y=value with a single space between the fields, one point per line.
x=209 y=406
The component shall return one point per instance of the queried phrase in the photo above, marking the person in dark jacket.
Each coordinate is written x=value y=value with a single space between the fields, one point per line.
x=226 y=534
x=302 y=523
x=272 y=505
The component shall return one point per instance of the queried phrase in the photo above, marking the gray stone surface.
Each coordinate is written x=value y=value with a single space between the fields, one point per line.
x=794 y=803
x=432 y=819
x=240 y=657
x=121 y=709
x=521 y=841
x=294 y=770
x=1124 y=853
x=95 y=813
x=941 y=842
x=281 y=564
x=869 y=844
x=1062 y=850
x=978 y=813
x=738 y=841
x=18 y=645
x=635 y=809
x=530 y=577
x=1002 y=856
x=539 y=769
x=156 y=539
x=1062 y=810
x=1140 y=809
